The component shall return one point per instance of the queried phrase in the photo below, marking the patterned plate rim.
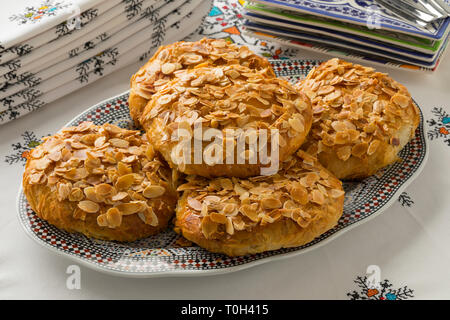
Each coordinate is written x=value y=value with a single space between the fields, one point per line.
x=188 y=272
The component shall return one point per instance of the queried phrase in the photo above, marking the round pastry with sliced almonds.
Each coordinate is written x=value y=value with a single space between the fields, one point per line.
x=247 y=216
x=103 y=181
x=362 y=118
x=187 y=55
x=227 y=121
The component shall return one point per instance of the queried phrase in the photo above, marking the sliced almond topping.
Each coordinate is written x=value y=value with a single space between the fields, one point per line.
x=401 y=100
x=336 y=193
x=104 y=189
x=299 y=194
x=119 y=143
x=92 y=195
x=168 y=68
x=37 y=153
x=339 y=125
x=296 y=124
x=219 y=43
x=204 y=211
x=136 y=196
x=250 y=211
x=165 y=99
x=289 y=204
x=360 y=149
x=131 y=207
x=125 y=182
x=123 y=169
x=42 y=164
x=88 y=206
x=119 y=196
x=344 y=153
x=102 y=221
x=288 y=213
x=317 y=197
x=322 y=189
x=332 y=96
x=239 y=190
x=266 y=113
x=378 y=106
x=55 y=156
x=36 y=178
x=266 y=219
x=89 y=139
x=271 y=203
x=229 y=208
x=150 y=152
x=373 y=147
x=229 y=226
x=153 y=191
x=195 y=204
x=149 y=217
x=192 y=58
x=130 y=159
x=186 y=126
x=76 y=195
x=218 y=218
x=324 y=90
x=226 y=184
x=211 y=199
x=113 y=218
x=342 y=137
x=100 y=141
x=64 y=191
x=76 y=174
x=238 y=223
x=91 y=162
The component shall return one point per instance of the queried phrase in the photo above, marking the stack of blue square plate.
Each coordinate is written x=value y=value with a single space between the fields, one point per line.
x=358 y=29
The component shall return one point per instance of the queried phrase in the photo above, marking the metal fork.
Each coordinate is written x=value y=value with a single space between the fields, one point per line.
x=437 y=8
x=405 y=15
x=419 y=12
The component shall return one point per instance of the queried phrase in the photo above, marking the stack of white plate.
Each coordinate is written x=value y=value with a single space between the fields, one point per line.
x=50 y=48
x=356 y=29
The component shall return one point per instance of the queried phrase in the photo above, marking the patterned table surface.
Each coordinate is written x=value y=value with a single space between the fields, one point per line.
x=407 y=244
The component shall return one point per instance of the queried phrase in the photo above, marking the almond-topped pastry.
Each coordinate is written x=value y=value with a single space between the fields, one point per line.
x=187 y=55
x=212 y=121
x=247 y=216
x=103 y=181
x=362 y=118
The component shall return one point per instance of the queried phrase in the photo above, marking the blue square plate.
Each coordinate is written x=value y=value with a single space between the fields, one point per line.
x=340 y=35
x=345 y=45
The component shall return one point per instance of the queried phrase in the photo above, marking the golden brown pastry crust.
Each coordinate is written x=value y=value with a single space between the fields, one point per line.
x=362 y=118
x=226 y=98
x=187 y=55
x=247 y=216
x=102 y=181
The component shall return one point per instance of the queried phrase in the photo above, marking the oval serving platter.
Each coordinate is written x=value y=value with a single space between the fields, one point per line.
x=161 y=255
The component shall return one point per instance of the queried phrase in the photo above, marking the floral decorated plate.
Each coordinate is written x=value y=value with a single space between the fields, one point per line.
x=162 y=255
